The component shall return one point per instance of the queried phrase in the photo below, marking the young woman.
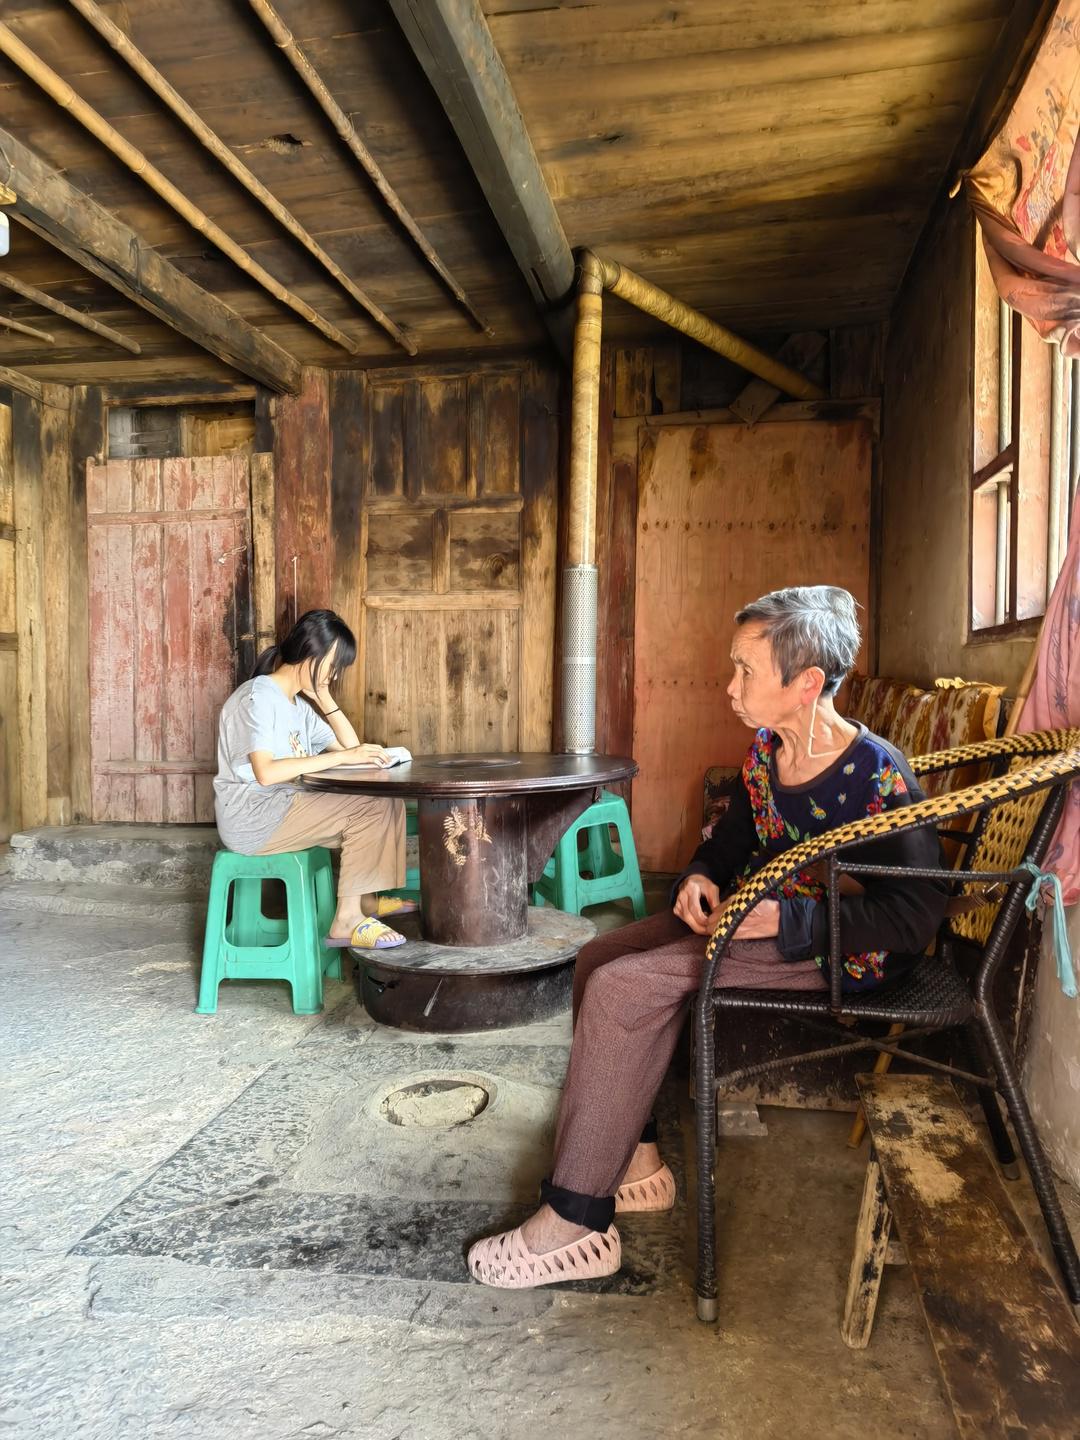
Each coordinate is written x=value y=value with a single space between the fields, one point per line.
x=284 y=723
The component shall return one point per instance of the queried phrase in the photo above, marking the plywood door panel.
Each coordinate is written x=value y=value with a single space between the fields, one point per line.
x=726 y=513
x=169 y=588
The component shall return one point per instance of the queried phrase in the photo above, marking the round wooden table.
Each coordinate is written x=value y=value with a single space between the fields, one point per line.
x=488 y=826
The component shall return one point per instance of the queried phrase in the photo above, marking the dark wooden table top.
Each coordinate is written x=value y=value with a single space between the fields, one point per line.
x=490 y=774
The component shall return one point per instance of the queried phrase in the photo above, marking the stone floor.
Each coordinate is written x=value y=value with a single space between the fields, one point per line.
x=211 y=1227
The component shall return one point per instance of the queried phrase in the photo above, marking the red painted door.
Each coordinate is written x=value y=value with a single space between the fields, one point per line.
x=170 y=629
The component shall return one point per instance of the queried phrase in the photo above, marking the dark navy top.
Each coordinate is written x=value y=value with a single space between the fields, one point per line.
x=882 y=931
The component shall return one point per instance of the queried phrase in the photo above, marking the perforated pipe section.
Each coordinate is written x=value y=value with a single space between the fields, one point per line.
x=579 y=659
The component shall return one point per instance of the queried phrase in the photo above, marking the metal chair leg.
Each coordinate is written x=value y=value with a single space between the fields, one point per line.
x=995 y=1121
x=1038 y=1168
x=704 y=1021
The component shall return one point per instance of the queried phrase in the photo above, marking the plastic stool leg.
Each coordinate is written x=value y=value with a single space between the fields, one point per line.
x=325 y=905
x=213 y=962
x=305 y=945
x=244 y=927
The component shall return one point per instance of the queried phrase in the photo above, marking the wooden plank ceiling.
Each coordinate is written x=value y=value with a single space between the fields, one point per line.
x=771 y=164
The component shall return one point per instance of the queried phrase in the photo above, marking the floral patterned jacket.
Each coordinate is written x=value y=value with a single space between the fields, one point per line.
x=882 y=931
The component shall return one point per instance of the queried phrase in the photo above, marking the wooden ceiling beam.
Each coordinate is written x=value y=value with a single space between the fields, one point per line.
x=50 y=206
x=25 y=384
x=452 y=42
x=46 y=301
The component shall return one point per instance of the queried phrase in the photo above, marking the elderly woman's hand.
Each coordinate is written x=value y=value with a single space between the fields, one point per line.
x=762 y=923
x=696 y=902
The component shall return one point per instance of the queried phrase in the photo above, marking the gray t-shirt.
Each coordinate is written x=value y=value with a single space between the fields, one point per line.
x=258 y=716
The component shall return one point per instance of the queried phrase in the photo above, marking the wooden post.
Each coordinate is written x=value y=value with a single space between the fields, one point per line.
x=30 y=613
x=86 y=447
x=263 y=587
x=867 y=1261
x=56 y=579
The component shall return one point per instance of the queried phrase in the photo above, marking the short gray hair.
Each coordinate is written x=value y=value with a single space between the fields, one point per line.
x=808 y=625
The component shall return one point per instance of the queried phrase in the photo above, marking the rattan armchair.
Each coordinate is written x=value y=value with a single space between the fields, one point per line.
x=1017 y=811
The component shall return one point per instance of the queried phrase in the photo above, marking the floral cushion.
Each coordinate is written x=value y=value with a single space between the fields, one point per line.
x=874 y=699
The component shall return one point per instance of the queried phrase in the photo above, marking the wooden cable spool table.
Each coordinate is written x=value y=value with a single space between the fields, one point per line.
x=478 y=956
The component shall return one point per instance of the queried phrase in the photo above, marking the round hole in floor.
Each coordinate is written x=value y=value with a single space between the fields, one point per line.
x=436 y=1103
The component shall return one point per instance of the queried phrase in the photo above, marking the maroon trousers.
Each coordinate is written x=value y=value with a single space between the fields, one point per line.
x=632 y=992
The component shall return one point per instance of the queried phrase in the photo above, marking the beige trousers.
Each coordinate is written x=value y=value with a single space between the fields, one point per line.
x=370 y=834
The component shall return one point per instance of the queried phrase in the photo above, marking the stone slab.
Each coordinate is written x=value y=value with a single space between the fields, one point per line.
x=553 y=938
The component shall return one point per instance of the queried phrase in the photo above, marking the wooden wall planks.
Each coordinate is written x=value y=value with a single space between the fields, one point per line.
x=302 y=518
x=455 y=569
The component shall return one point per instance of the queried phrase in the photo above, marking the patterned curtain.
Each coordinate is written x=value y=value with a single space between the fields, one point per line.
x=1025 y=189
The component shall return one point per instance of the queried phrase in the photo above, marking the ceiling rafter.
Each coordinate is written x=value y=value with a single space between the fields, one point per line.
x=77 y=317
x=211 y=141
x=67 y=218
x=130 y=155
x=285 y=41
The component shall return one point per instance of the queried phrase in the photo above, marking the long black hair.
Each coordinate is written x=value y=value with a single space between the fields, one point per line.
x=311 y=638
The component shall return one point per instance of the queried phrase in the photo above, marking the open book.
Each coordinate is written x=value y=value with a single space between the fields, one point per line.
x=398 y=756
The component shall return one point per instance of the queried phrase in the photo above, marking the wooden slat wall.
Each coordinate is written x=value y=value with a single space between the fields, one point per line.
x=444 y=500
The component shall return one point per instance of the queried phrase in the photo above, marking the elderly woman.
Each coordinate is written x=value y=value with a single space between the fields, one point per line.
x=807 y=771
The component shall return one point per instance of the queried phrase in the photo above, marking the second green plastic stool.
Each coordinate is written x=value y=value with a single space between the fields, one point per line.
x=614 y=874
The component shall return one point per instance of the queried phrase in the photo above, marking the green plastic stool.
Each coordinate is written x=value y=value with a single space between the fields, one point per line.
x=614 y=875
x=252 y=946
x=411 y=888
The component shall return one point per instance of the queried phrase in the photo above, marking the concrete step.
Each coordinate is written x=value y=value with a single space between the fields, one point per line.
x=161 y=857
x=135 y=902
x=158 y=857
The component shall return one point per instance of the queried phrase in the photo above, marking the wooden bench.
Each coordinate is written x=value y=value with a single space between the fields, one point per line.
x=1004 y=1335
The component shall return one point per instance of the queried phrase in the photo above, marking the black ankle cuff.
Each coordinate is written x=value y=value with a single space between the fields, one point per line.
x=649 y=1135
x=595 y=1211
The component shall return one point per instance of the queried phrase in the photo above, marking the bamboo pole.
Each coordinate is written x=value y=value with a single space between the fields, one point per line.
x=61 y=92
x=585 y=414
x=39 y=297
x=637 y=291
x=285 y=41
x=114 y=36
x=27 y=330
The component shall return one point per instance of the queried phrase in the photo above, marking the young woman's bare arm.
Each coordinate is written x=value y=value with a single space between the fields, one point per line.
x=268 y=771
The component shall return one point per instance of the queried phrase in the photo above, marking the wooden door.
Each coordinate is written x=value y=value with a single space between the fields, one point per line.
x=726 y=513
x=170 y=629
x=458 y=560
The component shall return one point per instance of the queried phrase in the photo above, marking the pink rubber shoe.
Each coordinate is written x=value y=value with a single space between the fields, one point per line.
x=655 y=1192
x=507 y=1262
